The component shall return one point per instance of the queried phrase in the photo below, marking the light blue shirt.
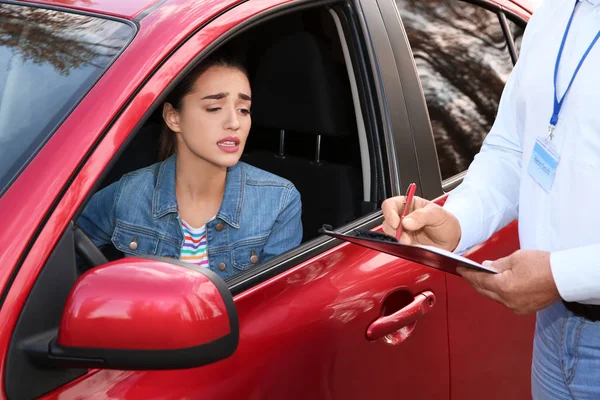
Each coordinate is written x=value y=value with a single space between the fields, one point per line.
x=497 y=188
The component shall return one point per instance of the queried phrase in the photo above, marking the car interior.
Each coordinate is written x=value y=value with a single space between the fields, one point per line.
x=307 y=119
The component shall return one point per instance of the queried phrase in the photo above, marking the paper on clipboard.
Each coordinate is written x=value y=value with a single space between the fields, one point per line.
x=427 y=255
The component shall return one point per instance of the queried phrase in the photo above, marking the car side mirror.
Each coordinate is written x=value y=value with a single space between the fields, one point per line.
x=142 y=314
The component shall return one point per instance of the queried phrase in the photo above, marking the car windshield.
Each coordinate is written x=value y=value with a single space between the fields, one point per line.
x=48 y=61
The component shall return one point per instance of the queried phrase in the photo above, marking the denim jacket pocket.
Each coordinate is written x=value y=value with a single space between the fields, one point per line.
x=134 y=242
x=247 y=254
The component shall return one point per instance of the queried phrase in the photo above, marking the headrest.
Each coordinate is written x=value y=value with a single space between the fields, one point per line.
x=298 y=87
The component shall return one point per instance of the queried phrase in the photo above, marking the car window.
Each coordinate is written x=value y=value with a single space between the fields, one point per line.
x=517 y=33
x=48 y=60
x=463 y=62
x=322 y=157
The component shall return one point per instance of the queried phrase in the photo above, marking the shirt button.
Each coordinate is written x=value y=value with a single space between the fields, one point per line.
x=134 y=245
x=219 y=227
x=222 y=266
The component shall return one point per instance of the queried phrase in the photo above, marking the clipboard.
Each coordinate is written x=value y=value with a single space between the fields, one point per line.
x=426 y=255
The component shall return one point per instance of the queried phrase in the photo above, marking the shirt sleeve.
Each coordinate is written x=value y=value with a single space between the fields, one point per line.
x=488 y=198
x=584 y=286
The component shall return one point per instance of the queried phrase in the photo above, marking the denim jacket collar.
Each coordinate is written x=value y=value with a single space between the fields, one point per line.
x=164 y=200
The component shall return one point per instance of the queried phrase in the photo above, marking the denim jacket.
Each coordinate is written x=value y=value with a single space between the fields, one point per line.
x=260 y=215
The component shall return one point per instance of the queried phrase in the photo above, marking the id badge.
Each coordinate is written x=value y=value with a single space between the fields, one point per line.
x=543 y=164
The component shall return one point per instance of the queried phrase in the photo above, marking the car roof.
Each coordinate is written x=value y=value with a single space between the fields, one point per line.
x=128 y=9
x=529 y=5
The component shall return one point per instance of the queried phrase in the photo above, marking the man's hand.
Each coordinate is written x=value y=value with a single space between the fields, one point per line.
x=426 y=224
x=524 y=284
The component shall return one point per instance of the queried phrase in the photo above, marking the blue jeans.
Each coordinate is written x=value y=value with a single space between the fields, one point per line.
x=566 y=356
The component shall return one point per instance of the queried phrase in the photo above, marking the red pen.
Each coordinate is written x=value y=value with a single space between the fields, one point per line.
x=412 y=188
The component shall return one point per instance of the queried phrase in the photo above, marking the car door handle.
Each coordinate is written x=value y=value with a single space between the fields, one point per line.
x=405 y=317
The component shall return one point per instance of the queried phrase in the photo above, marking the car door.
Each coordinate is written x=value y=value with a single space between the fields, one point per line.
x=462 y=54
x=325 y=321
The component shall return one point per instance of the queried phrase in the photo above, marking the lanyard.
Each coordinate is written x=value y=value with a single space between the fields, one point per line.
x=558 y=103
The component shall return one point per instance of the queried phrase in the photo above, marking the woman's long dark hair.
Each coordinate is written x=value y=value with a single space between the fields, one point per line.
x=167 y=140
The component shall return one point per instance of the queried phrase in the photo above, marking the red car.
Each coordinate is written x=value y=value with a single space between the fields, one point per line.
x=377 y=93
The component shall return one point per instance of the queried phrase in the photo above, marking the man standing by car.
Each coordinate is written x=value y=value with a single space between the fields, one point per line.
x=540 y=163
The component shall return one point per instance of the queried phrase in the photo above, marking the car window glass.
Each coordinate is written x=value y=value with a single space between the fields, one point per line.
x=48 y=61
x=463 y=62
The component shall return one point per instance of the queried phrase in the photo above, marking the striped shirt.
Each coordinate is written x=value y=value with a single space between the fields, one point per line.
x=194 y=245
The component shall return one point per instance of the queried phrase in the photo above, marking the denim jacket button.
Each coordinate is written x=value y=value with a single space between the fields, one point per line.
x=134 y=245
x=219 y=227
x=253 y=258
x=222 y=266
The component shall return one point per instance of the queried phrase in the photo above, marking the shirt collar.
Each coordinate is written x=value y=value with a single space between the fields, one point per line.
x=164 y=200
